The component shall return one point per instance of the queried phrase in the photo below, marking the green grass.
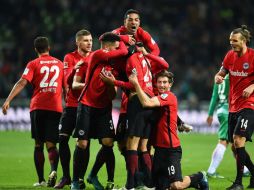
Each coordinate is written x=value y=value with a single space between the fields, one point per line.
x=17 y=169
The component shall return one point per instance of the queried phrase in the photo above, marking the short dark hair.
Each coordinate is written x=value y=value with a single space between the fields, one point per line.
x=82 y=32
x=109 y=37
x=131 y=11
x=165 y=73
x=41 y=44
x=244 y=32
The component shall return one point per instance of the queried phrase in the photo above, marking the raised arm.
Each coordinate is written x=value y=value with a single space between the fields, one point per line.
x=212 y=105
x=145 y=100
x=17 y=88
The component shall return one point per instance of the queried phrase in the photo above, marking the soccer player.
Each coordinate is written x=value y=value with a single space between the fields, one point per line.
x=220 y=99
x=46 y=76
x=239 y=64
x=94 y=117
x=167 y=157
x=138 y=126
x=72 y=62
x=131 y=32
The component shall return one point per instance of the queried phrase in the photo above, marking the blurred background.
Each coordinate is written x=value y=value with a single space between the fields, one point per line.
x=192 y=36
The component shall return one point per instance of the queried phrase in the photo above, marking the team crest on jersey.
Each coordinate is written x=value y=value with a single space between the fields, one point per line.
x=81 y=132
x=164 y=96
x=246 y=65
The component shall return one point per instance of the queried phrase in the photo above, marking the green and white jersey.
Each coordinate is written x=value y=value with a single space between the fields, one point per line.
x=220 y=98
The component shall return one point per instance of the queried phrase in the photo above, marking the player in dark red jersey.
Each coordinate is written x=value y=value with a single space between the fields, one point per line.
x=72 y=62
x=46 y=76
x=138 y=131
x=166 y=163
x=94 y=119
x=132 y=33
x=239 y=64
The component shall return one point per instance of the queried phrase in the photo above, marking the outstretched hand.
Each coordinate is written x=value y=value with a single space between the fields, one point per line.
x=132 y=40
x=107 y=77
x=209 y=120
x=5 y=107
x=79 y=64
x=218 y=79
x=133 y=79
x=248 y=91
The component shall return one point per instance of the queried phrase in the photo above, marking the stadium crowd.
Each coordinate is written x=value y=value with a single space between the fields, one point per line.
x=190 y=34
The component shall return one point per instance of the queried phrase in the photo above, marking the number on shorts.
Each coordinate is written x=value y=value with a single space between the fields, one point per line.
x=46 y=70
x=244 y=123
x=171 y=170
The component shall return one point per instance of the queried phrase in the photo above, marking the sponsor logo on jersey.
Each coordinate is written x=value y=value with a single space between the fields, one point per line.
x=239 y=73
x=49 y=62
x=164 y=96
x=81 y=132
x=26 y=71
x=246 y=66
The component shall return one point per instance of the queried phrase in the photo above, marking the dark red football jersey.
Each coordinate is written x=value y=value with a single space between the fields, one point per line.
x=140 y=36
x=96 y=92
x=144 y=66
x=165 y=134
x=46 y=76
x=241 y=75
x=70 y=60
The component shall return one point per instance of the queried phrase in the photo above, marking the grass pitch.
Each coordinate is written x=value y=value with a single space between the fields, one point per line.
x=17 y=169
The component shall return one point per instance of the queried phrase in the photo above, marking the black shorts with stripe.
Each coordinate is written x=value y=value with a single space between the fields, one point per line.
x=138 y=119
x=241 y=123
x=166 y=167
x=68 y=120
x=94 y=123
x=45 y=125
x=121 y=127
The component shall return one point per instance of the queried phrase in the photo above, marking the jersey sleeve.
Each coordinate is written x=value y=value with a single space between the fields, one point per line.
x=124 y=38
x=29 y=72
x=105 y=55
x=125 y=85
x=149 y=42
x=214 y=100
x=157 y=63
x=167 y=99
x=68 y=70
x=226 y=61
x=81 y=72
